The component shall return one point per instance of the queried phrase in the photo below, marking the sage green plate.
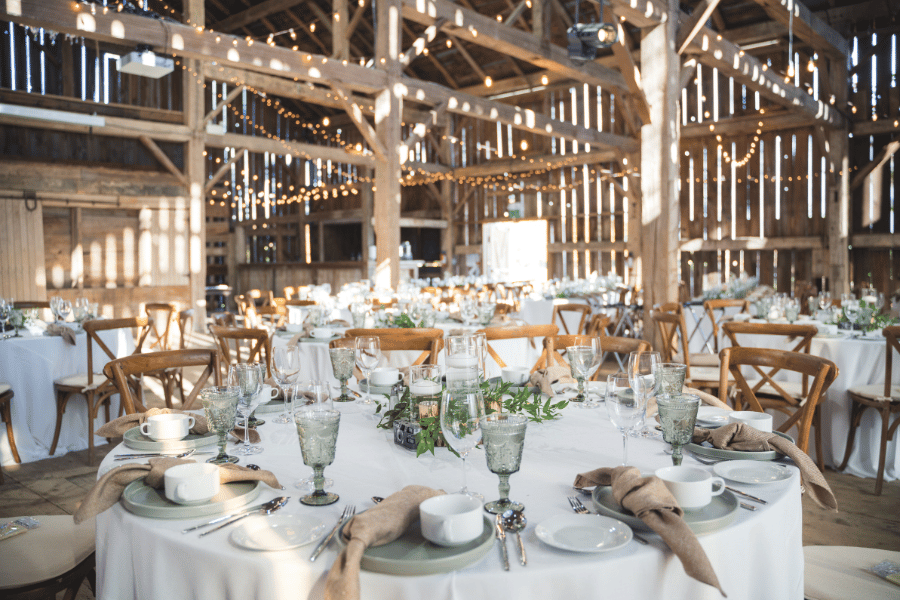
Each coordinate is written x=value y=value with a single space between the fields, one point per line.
x=716 y=515
x=411 y=554
x=143 y=500
x=736 y=454
x=136 y=440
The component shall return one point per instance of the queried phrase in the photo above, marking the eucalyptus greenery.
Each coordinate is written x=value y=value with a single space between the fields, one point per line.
x=401 y=321
x=524 y=401
x=878 y=321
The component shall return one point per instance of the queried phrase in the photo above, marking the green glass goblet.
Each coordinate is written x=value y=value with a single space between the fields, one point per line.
x=220 y=404
x=503 y=435
x=671 y=378
x=677 y=415
x=318 y=431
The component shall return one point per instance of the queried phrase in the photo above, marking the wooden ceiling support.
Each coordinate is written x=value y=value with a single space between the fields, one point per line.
x=356 y=115
x=689 y=30
x=258 y=143
x=164 y=160
x=622 y=52
x=418 y=46
x=880 y=159
x=232 y=95
x=807 y=27
x=223 y=170
x=254 y=14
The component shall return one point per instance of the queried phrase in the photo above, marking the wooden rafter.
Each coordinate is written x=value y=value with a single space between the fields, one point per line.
x=622 y=52
x=880 y=159
x=807 y=27
x=254 y=14
x=223 y=170
x=418 y=46
x=421 y=129
x=232 y=95
x=164 y=160
x=689 y=30
x=356 y=115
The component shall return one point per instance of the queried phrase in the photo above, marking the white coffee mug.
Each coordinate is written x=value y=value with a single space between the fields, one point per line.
x=192 y=483
x=322 y=333
x=515 y=375
x=692 y=487
x=167 y=427
x=452 y=519
x=267 y=394
x=385 y=376
x=756 y=420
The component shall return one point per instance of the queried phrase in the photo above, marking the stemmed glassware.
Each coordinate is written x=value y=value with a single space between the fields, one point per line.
x=368 y=354
x=285 y=368
x=5 y=313
x=824 y=300
x=467 y=310
x=671 y=378
x=626 y=408
x=677 y=415
x=642 y=374
x=63 y=309
x=462 y=411
x=342 y=355
x=248 y=378
x=311 y=395
x=220 y=405
x=54 y=307
x=580 y=360
x=504 y=438
x=318 y=432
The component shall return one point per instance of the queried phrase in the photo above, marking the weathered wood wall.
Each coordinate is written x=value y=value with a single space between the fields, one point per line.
x=22 y=272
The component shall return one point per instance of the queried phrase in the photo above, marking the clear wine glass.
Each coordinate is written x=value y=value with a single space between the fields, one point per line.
x=580 y=359
x=462 y=410
x=64 y=308
x=307 y=396
x=285 y=368
x=626 y=408
x=5 y=313
x=596 y=360
x=824 y=300
x=54 y=307
x=248 y=377
x=368 y=355
x=642 y=374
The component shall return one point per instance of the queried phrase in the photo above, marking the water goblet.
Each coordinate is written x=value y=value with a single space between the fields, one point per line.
x=791 y=310
x=824 y=300
x=671 y=378
x=677 y=415
x=626 y=408
x=580 y=360
x=504 y=437
x=318 y=432
x=343 y=356
x=248 y=377
x=642 y=367
x=5 y=313
x=486 y=313
x=311 y=395
x=358 y=313
x=220 y=405
x=285 y=368
x=467 y=310
x=368 y=355
x=54 y=307
x=462 y=410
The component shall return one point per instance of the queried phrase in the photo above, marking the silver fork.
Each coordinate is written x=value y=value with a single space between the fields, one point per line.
x=581 y=509
x=349 y=511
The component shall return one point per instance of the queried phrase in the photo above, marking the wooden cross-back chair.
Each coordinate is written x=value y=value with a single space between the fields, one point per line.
x=669 y=320
x=28 y=304
x=428 y=341
x=598 y=325
x=619 y=347
x=172 y=378
x=803 y=412
x=884 y=398
x=126 y=373
x=232 y=340
x=717 y=312
x=290 y=302
x=6 y=396
x=95 y=388
x=559 y=316
x=224 y=319
x=275 y=314
x=168 y=311
x=800 y=335
x=510 y=333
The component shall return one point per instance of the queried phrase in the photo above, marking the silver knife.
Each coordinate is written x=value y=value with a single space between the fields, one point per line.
x=501 y=536
x=224 y=518
x=746 y=495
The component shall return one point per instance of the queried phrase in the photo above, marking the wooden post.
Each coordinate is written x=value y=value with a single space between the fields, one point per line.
x=195 y=172
x=388 y=116
x=660 y=166
x=838 y=212
x=340 y=18
x=368 y=234
x=448 y=187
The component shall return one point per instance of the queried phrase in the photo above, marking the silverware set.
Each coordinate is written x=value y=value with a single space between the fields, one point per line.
x=581 y=509
x=349 y=511
x=266 y=508
x=156 y=455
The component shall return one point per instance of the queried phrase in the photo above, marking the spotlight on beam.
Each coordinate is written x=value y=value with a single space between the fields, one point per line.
x=585 y=38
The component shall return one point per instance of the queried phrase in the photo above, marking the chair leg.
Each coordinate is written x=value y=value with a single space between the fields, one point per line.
x=61 y=401
x=855 y=417
x=817 y=423
x=882 y=452
x=7 y=416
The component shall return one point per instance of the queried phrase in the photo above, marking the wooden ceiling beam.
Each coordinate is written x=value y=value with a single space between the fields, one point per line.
x=807 y=27
x=221 y=105
x=356 y=115
x=689 y=30
x=484 y=31
x=255 y=143
x=748 y=125
x=223 y=170
x=254 y=14
x=162 y=159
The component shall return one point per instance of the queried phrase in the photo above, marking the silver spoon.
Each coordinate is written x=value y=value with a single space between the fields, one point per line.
x=514 y=521
x=267 y=509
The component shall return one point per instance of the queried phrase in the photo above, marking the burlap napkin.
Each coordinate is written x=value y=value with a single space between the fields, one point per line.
x=118 y=427
x=339 y=323
x=737 y=436
x=61 y=330
x=650 y=500
x=109 y=488
x=543 y=378
x=379 y=525
x=707 y=399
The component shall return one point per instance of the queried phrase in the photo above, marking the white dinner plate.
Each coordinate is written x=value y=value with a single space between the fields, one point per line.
x=584 y=533
x=710 y=415
x=752 y=471
x=279 y=532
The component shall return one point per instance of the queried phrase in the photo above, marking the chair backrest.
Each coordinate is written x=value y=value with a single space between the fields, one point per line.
x=26 y=304
x=92 y=327
x=275 y=314
x=185 y=320
x=891 y=334
x=800 y=411
x=598 y=325
x=290 y=302
x=511 y=333
x=224 y=319
x=619 y=347
x=165 y=312
x=230 y=341
x=802 y=335
x=428 y=341
x=559 y=317
x=671 y=327
x=717 y=311
x=126 y=372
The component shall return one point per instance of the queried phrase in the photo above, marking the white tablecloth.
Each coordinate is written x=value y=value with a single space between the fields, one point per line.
x=30 y=364
x=860 y=362
x=758 y=556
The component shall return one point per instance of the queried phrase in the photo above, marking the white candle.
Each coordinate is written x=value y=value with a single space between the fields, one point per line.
x=462 y=361
x=425 y=388
x=869 y=299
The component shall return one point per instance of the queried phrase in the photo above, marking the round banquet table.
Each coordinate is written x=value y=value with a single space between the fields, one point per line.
x=758 y=556
x=30 y=364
